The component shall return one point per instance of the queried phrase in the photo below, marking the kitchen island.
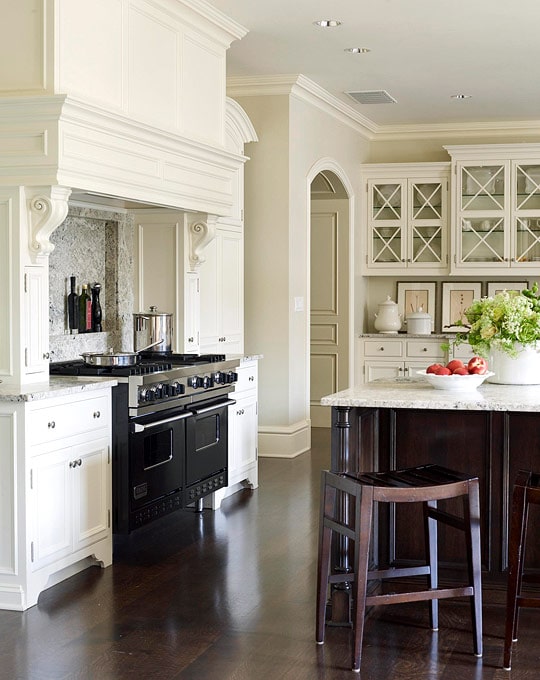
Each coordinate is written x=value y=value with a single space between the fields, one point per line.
x=491 y=432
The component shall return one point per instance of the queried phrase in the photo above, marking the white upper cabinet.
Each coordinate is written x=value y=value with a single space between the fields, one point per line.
x=405 y=219
x=496 y=208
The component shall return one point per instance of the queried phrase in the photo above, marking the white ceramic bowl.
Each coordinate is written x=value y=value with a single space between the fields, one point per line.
x=455 y=383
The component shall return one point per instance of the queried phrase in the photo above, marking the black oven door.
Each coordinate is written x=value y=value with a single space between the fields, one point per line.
x=206 y=449
x=157 y=454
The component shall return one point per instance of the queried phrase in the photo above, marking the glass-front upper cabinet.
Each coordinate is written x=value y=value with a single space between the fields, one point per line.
x=406 y=222
x=496 y=211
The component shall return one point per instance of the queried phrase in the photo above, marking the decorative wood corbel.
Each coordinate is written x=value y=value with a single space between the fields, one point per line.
x=201 y=233
x=46 y=213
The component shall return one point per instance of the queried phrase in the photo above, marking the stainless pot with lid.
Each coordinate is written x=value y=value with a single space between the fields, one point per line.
x=153 y=328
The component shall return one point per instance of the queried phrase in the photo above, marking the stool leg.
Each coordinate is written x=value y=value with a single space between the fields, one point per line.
x=328 y=496
x=515 y=570
x=430 y=531
x=364 y=513
x=472 y=519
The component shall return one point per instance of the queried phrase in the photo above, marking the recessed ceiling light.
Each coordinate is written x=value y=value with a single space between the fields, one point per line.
x=327 y=23
x=357 y=50
x=460 y=96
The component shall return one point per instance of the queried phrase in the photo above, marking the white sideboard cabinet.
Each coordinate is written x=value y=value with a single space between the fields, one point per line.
x=55 y=486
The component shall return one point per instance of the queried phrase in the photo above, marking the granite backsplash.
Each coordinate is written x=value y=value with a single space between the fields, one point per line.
x=94 y=245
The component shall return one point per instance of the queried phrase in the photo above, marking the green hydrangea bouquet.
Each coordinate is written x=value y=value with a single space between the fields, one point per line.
x=503 y=322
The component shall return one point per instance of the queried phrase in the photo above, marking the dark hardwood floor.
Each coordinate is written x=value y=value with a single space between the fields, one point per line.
x=230 y=595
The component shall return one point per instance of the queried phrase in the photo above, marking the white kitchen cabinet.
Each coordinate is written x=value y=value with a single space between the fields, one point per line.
x=70 y=500
x=405 y=223
x=36 y=345
x=222 y=291
x=496 y=209
x=396 y=357
x=55 y=490
x=243 y=435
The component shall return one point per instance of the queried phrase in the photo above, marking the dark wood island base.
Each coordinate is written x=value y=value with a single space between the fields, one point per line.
x=492 y=433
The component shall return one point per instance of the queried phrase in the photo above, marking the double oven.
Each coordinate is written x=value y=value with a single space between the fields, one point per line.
x=170 y=432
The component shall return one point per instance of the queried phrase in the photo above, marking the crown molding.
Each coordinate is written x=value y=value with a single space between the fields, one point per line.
x=303 y=88
x=306 y=89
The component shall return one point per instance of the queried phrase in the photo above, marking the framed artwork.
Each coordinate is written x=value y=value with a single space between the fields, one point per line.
x=495 y=287
x=413 y=296
x=456 y=297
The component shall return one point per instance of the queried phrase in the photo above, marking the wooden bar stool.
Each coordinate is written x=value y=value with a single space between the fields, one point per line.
x=426 y=484
x=526 y=491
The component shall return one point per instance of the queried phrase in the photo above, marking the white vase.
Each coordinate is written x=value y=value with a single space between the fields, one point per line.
x=521 y=370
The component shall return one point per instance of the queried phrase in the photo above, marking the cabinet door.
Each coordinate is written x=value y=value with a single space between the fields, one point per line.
x=50 y=507
x=373 y=370
x=91 y=492
x=386 y=224
x=231 y=290
x=222 y=293
x=192 y=314
x=526 y=215
x=243 y=440
x=36 y=322
x=427 y=223
x=483 y=238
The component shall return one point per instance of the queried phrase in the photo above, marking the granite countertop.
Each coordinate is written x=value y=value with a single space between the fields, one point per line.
x=57 y=386
x=417 y=394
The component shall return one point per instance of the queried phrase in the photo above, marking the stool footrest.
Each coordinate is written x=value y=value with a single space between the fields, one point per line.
x=529 y=601
x=419 y=596
x=399 y=572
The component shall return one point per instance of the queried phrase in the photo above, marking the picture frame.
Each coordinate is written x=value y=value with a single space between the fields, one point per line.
x=494 y=287
x=411 y=295
x=456 y=297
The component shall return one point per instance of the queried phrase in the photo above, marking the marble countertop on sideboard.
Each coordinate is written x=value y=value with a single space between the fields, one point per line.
x=410 y=393
x=57 y=386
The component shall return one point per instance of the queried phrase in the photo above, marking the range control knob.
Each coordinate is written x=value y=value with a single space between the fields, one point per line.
x=232 y=377
x=175 y=389
x=219 y=377
x=195 y=382
x=207 y=382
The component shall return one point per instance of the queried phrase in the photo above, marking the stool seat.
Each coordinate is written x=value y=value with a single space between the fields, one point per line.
x=526 y=491
x=426 y=484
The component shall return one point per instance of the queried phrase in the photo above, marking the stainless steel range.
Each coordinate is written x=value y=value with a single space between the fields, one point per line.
x=170 y=429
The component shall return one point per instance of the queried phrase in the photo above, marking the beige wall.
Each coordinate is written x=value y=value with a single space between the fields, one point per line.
x=294 y=136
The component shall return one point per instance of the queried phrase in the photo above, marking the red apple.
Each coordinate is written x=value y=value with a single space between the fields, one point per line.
x=477 y=365
x=455 y=363
x=443 y=371
x=433 y=368
x=461 y=370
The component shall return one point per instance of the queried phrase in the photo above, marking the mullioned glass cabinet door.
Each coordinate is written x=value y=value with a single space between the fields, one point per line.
x=483 y=213
x=527 y=213
x=387 y=221
x=427 y=222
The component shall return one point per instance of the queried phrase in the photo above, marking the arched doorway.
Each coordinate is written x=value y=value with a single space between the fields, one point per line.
x=329 y=292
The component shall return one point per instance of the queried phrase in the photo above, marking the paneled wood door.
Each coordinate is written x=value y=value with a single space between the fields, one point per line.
x=329 y=329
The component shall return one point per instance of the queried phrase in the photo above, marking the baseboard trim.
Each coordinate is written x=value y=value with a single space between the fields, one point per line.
x=285 y=442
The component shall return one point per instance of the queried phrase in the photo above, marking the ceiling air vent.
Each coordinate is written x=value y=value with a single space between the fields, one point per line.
x=372 y=97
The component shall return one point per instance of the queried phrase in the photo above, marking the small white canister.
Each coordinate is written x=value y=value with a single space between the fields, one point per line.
x=419 y=323
x=388 y=319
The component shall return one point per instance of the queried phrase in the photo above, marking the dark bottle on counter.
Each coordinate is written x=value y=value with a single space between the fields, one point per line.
x=96 y=308
x=73 y=308
x=85 y=310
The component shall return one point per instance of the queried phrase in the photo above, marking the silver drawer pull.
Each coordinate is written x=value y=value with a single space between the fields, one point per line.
x=381 y=349
x=97 y=414
x=51 y=425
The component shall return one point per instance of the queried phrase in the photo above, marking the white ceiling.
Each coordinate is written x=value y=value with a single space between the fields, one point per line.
x=422 y=52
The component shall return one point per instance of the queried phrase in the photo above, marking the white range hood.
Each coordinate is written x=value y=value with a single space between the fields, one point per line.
x=116 y=98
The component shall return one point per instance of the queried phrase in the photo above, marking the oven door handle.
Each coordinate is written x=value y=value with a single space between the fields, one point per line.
x=213 y=407
x=137 y=427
